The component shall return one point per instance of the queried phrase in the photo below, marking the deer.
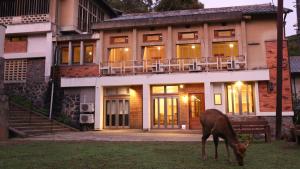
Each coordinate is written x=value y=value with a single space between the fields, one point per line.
x=217 y=124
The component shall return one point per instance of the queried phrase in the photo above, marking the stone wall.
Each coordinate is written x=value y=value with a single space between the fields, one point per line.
x=35 y=88
x=71 y=107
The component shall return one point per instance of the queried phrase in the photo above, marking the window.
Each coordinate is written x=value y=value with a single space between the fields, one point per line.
x=88 y=54
x=225 y=49
x=240 y=98
x=119 y=40
x=158 y=89
x=191 y=51
x=154 y=52
x=15 y=70
x=76 y=55
x=16 y=38
x=218 y=99
x=64 y=56
x=188 y=35
x=172 y=89
x=119 y=55
x=224 y=33
x=153 y=38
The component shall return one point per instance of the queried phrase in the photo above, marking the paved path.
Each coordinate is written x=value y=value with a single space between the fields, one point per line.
x=118 y=135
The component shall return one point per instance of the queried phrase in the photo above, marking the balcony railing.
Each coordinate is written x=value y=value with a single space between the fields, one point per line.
x=205 y=64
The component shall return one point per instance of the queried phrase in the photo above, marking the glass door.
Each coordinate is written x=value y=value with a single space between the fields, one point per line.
x=117 y=113
x=165 y=112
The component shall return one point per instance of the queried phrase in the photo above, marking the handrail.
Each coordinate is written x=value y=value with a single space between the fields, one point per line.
x=173 y=65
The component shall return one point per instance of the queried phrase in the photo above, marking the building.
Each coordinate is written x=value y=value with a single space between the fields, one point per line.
x=32 y=28
x=160 y=70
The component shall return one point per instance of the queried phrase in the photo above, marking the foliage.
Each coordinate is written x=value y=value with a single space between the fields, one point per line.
x=63 y=118
x=171 y=5
x=140 y=6
x=146 y=155
x=294 y=45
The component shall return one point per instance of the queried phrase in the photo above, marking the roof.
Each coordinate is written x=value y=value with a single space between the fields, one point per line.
x=295 y=64
x=246 y=10
x=187 y=16
x=110 y=11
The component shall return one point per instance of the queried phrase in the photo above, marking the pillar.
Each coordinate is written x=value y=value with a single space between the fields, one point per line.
x=169 y=43
x=206 y=40
x=146 y=107
x=81 y=53
x=99 y=108
x=134 y=44
x=208 y=95
x=70 y=53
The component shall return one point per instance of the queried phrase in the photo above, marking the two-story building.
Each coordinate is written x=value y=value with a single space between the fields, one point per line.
x=160 y=70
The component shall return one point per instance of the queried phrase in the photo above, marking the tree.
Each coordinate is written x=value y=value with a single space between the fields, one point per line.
x=171 y=5
x=131 y=6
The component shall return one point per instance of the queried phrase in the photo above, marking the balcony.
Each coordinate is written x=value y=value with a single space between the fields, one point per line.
x=25 y=19
x=163 y=66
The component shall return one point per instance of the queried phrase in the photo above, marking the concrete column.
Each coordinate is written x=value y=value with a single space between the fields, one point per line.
x=81 y=53
x=134 y=44
x=49 y=56
x=99 y=109
x=96 y=58
x=146 y=107
x=244 y=39
x=256 y=95
x=206 y=40
x=101 y=47
x=208 y=95
x=70 y=53
x=169 y=43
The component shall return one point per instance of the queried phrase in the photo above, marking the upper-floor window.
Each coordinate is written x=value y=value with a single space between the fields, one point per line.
x=229 y=33
x=119 y=40
x=88 y=53
x=152 y=38
x=226 y=49
x=153 y=52
x=188 y=51
x=64 y=55
x=23 y=7
x=15 y=71
x=88 y=12
x=117 y=55
x=188 y=35
x=75 y=54
x=171 y=89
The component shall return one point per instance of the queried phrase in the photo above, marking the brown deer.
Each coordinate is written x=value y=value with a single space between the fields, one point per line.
x=217 y=124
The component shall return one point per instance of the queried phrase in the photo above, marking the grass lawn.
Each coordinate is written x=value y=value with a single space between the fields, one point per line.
x=144 y=155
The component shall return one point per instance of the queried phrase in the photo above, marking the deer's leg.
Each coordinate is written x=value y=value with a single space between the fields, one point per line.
x=216 y=142
x=227 y=150
x=204 y=138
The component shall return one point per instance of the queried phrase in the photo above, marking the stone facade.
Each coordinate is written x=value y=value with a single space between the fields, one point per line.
x=71 y=107
x=35 y=88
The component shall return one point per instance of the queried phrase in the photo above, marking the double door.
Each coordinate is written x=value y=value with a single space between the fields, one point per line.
x=117 y=113
x=165 y=112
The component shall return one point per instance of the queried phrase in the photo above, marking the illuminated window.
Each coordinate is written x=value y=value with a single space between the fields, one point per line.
x=188 y=51
x=225 y=49
x=218 y=99
x=64 y=55
x=188 y=35
x=154 y=52
x=153 y=38
x=240 y=98
x=88 y=54
x=224 y=33
x=119 y=55
x=172 y=89
x=76 y=55
x=119 y=40
x=158 y=89
x=15 y=71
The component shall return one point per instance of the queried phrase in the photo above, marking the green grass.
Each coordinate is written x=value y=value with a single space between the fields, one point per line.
x=144 y=155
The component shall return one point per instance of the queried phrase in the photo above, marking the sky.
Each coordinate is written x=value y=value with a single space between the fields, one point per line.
x=291 y=18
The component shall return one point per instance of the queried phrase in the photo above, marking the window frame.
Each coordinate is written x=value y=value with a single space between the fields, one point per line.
x=72 y=56
x=112 y=40
x=61 y=55
x=85 y=53
x=180 y=37
x=218 y=31
x=160 y=37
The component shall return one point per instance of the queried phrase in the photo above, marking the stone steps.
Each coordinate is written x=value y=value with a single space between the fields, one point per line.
x=27 y=123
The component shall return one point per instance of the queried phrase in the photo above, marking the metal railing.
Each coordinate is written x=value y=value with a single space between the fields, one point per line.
x=205 y=64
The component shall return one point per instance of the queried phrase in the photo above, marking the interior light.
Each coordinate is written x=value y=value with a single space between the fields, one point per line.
x=158 y=47
x=231 y=45
x=185 y=99
x=239 y=84
x=90 y=53
x=181 y=86
x=126 y=49
x=193 y=46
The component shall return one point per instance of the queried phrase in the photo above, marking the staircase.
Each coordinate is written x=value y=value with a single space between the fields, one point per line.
x=26 y=123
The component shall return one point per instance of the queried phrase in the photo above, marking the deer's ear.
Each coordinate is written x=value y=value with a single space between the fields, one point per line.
x=247 y=143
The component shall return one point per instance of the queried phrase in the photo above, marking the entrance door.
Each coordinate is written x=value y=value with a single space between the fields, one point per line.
x=165 y=112
x=196 y=106
x=117 y=113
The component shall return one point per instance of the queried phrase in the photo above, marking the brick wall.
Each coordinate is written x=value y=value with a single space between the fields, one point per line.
x=136 y=107
x=15 y=47
x=79 y=71
x=268 y=99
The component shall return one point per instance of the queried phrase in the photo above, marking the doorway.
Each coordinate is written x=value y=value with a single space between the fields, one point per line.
x=196 y=107
x=165 y=112
x=117 y=113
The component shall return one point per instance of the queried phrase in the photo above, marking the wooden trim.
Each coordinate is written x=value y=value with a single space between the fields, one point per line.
x=160 y=38
x=218 y=33
x=180 y=37
x=113 y=39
